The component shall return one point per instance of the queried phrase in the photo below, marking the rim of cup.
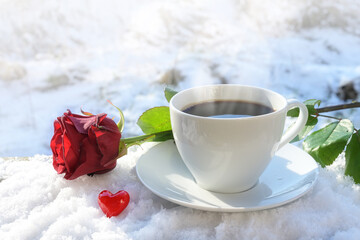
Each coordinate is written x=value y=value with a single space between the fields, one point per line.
x=180 y=111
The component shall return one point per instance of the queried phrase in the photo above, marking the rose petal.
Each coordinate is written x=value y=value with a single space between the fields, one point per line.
x=83 y=123
x=108 y=143
x=84 y=144
x=56 y=147
x=89 y=159
x=109 y=125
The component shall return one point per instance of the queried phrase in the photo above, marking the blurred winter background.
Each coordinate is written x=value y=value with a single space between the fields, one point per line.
x=58 y=55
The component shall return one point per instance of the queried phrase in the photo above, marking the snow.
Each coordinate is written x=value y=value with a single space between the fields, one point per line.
x=37 y=203
x=77 y=54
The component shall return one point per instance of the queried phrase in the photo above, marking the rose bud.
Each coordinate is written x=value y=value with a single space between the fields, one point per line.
x=84 y=144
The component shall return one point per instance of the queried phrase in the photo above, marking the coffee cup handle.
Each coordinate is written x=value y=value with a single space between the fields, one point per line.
x=299 y=124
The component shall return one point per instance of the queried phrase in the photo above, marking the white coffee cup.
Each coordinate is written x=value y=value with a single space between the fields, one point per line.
x=228 y=155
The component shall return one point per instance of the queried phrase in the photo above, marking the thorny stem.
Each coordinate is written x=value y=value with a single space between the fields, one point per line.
x=335 y=108
x=338 y=107
x=321 y=115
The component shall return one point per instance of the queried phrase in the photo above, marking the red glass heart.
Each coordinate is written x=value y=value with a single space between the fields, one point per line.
x=113 y=204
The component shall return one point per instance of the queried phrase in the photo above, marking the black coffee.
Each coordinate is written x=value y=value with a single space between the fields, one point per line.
x=228 y=109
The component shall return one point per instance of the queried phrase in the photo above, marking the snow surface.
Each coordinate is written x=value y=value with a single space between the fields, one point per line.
x=58 y=55
x=37 y=203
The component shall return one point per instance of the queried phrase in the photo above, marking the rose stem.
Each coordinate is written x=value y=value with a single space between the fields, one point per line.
x=338 y=107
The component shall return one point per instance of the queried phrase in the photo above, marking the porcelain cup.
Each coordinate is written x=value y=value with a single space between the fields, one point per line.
x=228 y=155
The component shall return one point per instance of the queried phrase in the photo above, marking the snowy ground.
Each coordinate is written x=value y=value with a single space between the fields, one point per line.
x=58 y=55
x=37 y=203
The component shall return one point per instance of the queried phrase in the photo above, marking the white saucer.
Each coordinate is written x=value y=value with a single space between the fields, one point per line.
x=291 y=174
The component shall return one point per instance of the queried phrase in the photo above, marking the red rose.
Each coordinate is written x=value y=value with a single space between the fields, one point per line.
x=84 y=144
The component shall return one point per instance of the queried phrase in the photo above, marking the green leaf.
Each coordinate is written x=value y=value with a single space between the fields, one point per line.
x=352 y=157
x=310 y=124
x=121 y=122
x=155 y=123
x=154 y=120
x=169 y=93
x=310 y=104
x=326 y=144
x=293 y=112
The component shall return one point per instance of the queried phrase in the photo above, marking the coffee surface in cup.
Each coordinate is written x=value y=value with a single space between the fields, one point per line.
x=227 y=109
